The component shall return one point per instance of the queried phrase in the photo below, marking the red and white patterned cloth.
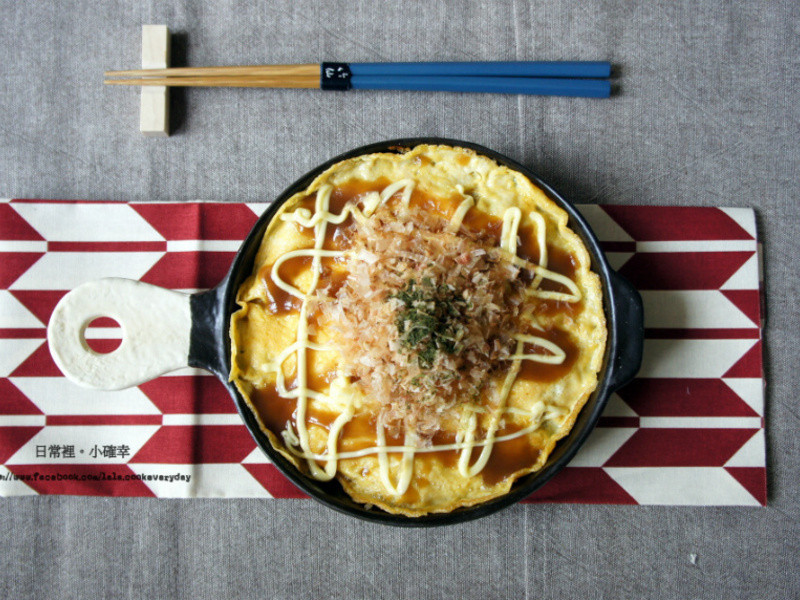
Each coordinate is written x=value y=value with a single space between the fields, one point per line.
x=688 y=430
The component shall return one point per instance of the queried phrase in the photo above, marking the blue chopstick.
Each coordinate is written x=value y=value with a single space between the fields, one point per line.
x=570 y=69
x=570 y=78
x=540 y=86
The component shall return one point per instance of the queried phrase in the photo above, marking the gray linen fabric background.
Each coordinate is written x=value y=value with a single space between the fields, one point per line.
x=707 y=114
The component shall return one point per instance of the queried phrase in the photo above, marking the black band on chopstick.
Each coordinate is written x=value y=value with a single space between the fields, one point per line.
x=335 y=76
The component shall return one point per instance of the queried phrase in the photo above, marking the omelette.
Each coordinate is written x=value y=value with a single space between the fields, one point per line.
x=420 y=326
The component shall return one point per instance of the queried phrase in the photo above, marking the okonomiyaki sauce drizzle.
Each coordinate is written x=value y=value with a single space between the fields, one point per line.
x=472 y=444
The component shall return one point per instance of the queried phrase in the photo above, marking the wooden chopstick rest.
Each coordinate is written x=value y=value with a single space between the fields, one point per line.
x=154 y=108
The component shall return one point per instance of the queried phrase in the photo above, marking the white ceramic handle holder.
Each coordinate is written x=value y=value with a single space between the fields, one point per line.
x=156 y=326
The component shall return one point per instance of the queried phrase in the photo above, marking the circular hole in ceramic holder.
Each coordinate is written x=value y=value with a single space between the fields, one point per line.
x=103 y=335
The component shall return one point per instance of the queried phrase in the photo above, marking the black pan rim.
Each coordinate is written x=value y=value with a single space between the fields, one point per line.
x=222 y=301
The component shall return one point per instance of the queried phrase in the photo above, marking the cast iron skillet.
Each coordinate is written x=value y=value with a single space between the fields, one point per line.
x=164 y=330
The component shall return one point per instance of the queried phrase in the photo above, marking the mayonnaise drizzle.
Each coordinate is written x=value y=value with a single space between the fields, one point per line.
x=541 y=231
x=461 y=212
x=556 y=356
x=407 y=185
x=299 y=443
x=536 y=416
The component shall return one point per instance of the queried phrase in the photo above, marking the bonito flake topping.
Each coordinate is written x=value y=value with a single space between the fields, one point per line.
x=442 y=325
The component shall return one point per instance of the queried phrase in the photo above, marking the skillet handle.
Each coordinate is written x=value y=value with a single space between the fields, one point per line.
x=207 y=350
x=156 y=326
x=629 y=331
